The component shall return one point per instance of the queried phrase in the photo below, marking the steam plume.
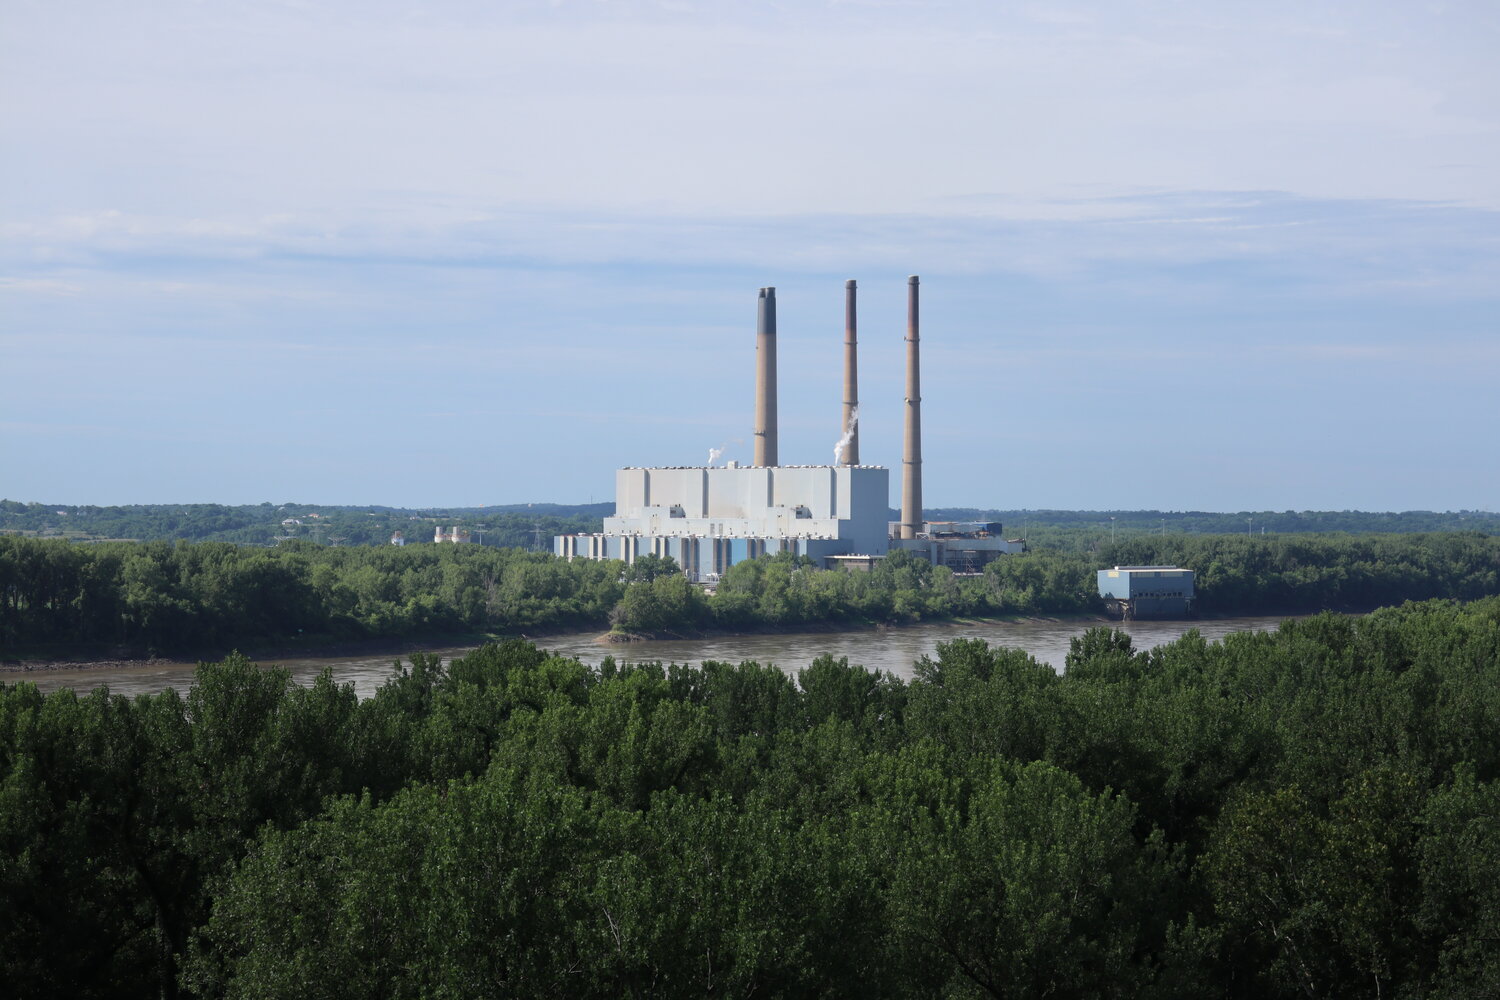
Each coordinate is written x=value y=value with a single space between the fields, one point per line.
x=838 y=449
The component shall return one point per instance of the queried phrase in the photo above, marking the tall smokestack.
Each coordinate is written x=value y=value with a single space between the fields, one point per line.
x=911 y=460
x=765 y=378
x=850 y=453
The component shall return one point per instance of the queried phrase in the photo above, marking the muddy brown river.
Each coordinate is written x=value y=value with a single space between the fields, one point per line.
x=893 y=650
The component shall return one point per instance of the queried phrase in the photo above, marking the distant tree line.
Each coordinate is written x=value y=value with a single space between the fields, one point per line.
x=1304 y=813
x=1090 y=529
x=1235 y=575
x=195 y=598
x=529 y=526
x=1285 y=574
x=191 y=597
x=533 y=525
x=786 y=591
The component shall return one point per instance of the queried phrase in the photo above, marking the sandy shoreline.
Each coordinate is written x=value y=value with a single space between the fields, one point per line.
x=42 y=666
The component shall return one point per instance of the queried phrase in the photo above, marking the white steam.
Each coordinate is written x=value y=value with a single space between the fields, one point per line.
x=714 y=454
x=838 y=449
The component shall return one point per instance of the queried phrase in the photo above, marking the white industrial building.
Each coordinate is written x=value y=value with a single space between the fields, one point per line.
x=708 y=518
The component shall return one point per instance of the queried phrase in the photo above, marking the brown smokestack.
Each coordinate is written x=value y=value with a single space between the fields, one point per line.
x=765 y=378
x=911 y=461
x=849 y=453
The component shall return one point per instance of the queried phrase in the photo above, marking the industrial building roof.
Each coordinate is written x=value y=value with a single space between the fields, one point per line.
x=675 y=468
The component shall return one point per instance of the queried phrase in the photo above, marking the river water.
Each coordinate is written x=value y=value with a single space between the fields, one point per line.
x=893 y=650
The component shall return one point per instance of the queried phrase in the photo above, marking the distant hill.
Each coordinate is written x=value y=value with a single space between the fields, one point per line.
x=510 y=525
x=533 y=525
x=1029 y=522
x=599 y=510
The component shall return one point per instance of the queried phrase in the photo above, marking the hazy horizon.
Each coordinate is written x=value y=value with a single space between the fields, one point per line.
x=894 y=510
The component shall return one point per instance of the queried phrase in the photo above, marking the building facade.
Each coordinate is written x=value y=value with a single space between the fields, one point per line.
x=708 y=518
x=1147 y=591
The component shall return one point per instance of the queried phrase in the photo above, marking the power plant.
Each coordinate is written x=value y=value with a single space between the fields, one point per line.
x=708 y=518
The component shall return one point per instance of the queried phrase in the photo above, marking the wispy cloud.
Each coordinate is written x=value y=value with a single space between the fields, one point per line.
x=39 y=286
x=741 y=107
x=1408 y=244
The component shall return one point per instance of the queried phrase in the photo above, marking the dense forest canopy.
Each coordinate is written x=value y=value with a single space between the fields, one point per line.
x=200 y=599
x=1309 y=812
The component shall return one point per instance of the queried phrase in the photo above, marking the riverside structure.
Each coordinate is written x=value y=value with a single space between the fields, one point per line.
x=707 y=518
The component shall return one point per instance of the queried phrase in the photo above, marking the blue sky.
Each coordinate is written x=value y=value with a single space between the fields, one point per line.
x=1174 y=255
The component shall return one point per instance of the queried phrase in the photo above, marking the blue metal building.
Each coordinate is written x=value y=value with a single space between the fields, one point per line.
x=1147 y=591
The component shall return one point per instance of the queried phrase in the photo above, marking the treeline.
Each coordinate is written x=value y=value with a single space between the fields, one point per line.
x=1234 y=575
x=195 y=598
x=527 y=526
x=1309 y=812
x=533 y=525
x=1089 y=529
x=782 y=591
x=1291 y=574
x=190 y=597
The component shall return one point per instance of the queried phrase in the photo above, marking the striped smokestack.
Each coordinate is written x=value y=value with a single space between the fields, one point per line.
x=911 y=460
x=849 y=454
x=765 y=378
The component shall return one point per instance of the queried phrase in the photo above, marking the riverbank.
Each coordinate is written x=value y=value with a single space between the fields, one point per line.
x=332 y=648
x=893 y=651
x=119 y=659
x=46 y=666
x=614 y=637
x=377 y=648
